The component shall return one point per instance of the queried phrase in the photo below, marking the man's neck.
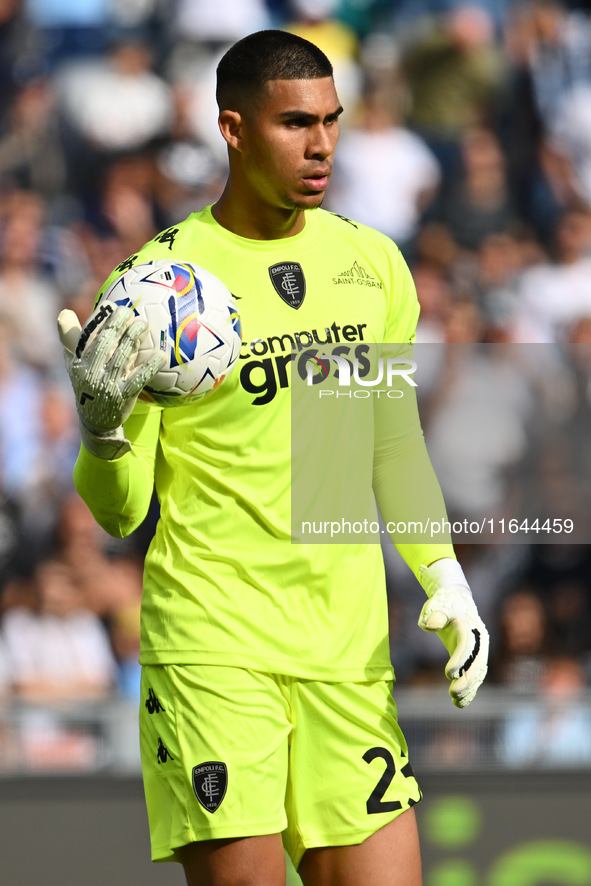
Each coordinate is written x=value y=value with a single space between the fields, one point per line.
x=257 y=223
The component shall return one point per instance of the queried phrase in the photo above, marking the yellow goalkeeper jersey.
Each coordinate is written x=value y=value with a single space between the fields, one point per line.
x=223 y=582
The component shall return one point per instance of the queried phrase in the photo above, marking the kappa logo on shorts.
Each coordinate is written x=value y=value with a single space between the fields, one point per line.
x=163 y=755
x=152 y=703
x=288 y=279
x=210 y=782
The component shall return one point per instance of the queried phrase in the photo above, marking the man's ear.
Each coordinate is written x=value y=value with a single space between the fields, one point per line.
x=230 y=123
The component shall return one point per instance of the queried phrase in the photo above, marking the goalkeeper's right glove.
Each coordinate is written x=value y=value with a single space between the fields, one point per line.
x=102 y=362
x=451 y=612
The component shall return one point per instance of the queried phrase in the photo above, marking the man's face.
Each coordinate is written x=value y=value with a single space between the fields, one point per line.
x=288 y=142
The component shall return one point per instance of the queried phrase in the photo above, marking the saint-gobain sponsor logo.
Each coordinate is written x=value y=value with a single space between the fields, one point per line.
x=352 y=372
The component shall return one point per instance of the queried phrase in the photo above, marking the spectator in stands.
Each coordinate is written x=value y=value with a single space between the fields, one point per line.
x=213 y=24
x=109 y=577
x=556 y=44
x=200 y=33
x=124 y=625
x=20 y=407
x=552 y=295
x=125 y=206
x=69 y=28
x=479 y=408
x=38 y=443
x=92 y=557
x=552 y=566
x=187 y=177
x=384 y=174
x=5 y=684
x=28 y=298
x=455 y=76
x=57 y=650
x=519 y=659
x=31 y=153
x=567 y=148
x=479 y=203
x=19 y=51
x=187 y=173
x=111 y=105
x=548 y=55
x=502 y=257
x=59 y=659
x=569 y=613
x=435 y=298
x=577 y=351
x=48 y=479
x=553 y=729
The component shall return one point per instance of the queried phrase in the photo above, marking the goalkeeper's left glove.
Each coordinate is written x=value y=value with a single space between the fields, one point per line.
x=107 y=375
x=451 y=612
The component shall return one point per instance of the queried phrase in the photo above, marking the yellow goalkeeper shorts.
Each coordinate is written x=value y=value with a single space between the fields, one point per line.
x=230 y=753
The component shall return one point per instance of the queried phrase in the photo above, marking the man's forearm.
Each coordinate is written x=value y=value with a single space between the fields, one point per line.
x=119 y=491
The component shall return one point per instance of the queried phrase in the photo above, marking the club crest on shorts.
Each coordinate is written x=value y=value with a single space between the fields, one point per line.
x=290 y=284
x=210 y=782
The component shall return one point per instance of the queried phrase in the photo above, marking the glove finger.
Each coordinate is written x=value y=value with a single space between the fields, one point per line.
x=461 y=651
x=69 y=329
x=142 y=375
x=101 y=333
x=433 y=621
x=126 y=348
x=463 y=690
x=468 y=666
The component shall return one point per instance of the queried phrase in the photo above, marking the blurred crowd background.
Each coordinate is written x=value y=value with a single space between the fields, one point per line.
x=466 y=137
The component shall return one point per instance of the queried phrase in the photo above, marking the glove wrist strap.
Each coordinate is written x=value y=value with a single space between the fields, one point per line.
x=110 y=445
x=442 y=573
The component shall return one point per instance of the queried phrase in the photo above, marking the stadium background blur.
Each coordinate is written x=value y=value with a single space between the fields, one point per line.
x=466 y=137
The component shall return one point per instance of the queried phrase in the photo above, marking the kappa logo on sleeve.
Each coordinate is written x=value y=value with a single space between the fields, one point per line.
x=210 y=782
x=128 y=264
x=289 y=282
x=167 y=237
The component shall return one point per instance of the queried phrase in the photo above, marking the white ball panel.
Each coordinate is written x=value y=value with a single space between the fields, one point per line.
x=200 y=334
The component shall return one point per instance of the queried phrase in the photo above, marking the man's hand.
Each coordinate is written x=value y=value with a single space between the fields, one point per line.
x=102 y=362
x=451 y=612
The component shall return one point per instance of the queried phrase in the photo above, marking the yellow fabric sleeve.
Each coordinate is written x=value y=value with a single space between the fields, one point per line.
x=405 y=485
x=119 y=492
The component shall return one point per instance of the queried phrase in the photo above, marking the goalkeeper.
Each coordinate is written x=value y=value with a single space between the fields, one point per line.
x=267 y=717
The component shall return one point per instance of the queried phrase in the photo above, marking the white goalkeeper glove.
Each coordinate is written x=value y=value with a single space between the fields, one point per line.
x=102 y=362
x=451 y=612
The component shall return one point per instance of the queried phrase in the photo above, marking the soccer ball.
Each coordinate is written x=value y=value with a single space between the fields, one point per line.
x=192 y=318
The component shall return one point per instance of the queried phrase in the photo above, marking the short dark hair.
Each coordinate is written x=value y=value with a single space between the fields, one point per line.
x=249 y=64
